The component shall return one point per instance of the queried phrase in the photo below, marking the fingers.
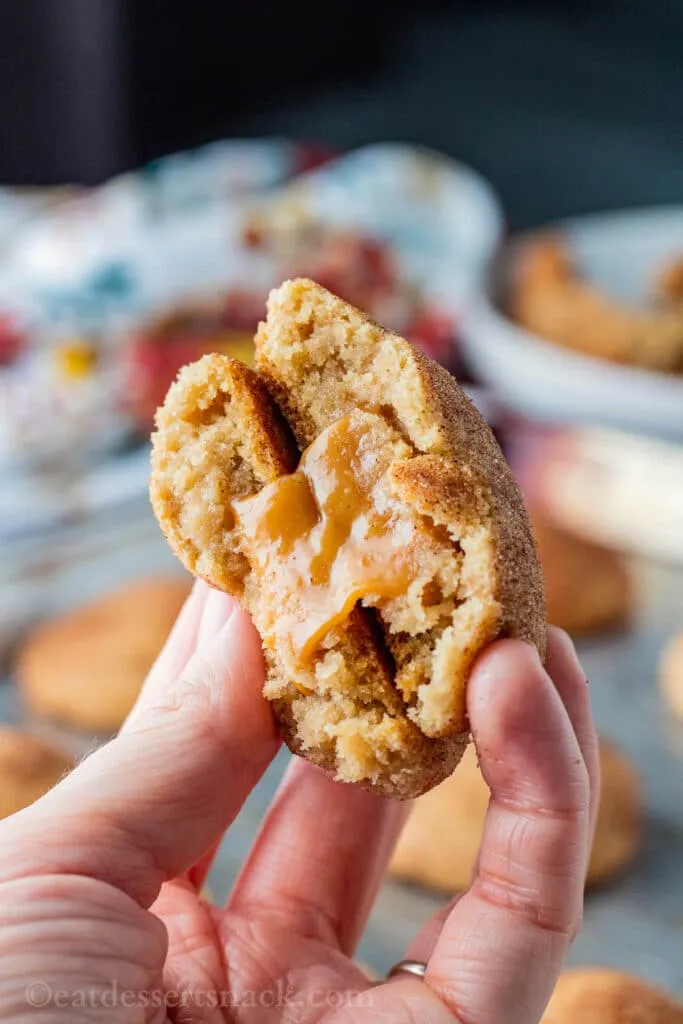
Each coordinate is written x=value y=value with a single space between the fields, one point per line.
x=570 y=682
x=564 y=668
x=320 y=858
x=403 y=1000
x=422 y=946
x=148 y=805
x=501 y=948
x=181 y=644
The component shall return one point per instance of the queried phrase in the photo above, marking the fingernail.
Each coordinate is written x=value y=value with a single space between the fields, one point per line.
x=218 y=609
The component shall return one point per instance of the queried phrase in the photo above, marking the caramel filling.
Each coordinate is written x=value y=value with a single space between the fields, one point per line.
x=331 y=534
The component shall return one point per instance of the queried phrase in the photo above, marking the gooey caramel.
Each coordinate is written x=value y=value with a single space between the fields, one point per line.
x=330 y=534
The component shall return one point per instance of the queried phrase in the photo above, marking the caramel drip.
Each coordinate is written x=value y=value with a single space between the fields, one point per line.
x=330 y=534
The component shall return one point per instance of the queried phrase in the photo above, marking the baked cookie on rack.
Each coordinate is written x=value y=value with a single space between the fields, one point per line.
x=84 y=669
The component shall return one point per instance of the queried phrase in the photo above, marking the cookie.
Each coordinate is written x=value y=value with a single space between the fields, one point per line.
x=28 y=768
x=85 y=668
x=669 y=282
x=598 y=995
x=587 y=587
x=671 y=674
x=440 y=842
x=619 y=823
x=549 y=297
x=378 y=563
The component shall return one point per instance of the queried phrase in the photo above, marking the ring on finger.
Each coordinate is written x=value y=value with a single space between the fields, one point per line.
x=415 y=968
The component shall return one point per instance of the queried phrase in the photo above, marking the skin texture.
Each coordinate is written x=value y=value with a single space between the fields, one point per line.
x=439 y=846
x=99 y=880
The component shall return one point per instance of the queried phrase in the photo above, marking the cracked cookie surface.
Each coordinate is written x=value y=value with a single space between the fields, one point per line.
x=354 y=500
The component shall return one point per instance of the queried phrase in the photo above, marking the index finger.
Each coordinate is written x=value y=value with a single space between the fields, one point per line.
x=148 y=805
x=502 y=945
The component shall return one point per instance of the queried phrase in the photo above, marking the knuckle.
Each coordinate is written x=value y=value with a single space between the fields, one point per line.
x=544 y=909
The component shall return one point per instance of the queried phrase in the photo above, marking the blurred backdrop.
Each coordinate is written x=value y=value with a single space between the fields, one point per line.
x=566 y=106
x=502 y=183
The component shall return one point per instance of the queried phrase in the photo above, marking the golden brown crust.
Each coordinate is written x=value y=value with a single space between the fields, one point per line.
x=456 y=431
x=28 y=768
x=440 y=842
x=369 y=709
x=85 y=668
x=434 y=760
x=467 y=438
x=598 y=995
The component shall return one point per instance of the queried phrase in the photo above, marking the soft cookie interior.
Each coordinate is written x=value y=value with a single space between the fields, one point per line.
x=321 y=491
x=331 y=675
x=322 y=359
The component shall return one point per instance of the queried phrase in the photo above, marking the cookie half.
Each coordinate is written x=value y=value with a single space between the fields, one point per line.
x=355 y=501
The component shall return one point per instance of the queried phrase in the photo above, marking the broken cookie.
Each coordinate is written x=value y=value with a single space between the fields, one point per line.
x=353 y=499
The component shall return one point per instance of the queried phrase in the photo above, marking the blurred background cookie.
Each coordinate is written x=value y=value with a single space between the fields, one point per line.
x=618 y=827
x=550 y=297
x=28 y=768
x=85 y=668
x=671 y=674
x=597 y=995
x=588 y=588
x=440 y=842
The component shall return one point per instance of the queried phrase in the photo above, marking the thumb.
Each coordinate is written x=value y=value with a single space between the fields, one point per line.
x=145 y=807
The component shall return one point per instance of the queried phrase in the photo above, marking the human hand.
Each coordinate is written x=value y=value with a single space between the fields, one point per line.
x=99 y=880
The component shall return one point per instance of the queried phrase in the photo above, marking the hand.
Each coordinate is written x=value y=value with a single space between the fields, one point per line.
x=99 y=880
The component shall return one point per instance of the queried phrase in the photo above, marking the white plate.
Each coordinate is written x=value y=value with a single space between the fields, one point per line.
x=619 y=252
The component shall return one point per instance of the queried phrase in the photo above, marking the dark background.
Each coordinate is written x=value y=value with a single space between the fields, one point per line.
x=566 y=107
